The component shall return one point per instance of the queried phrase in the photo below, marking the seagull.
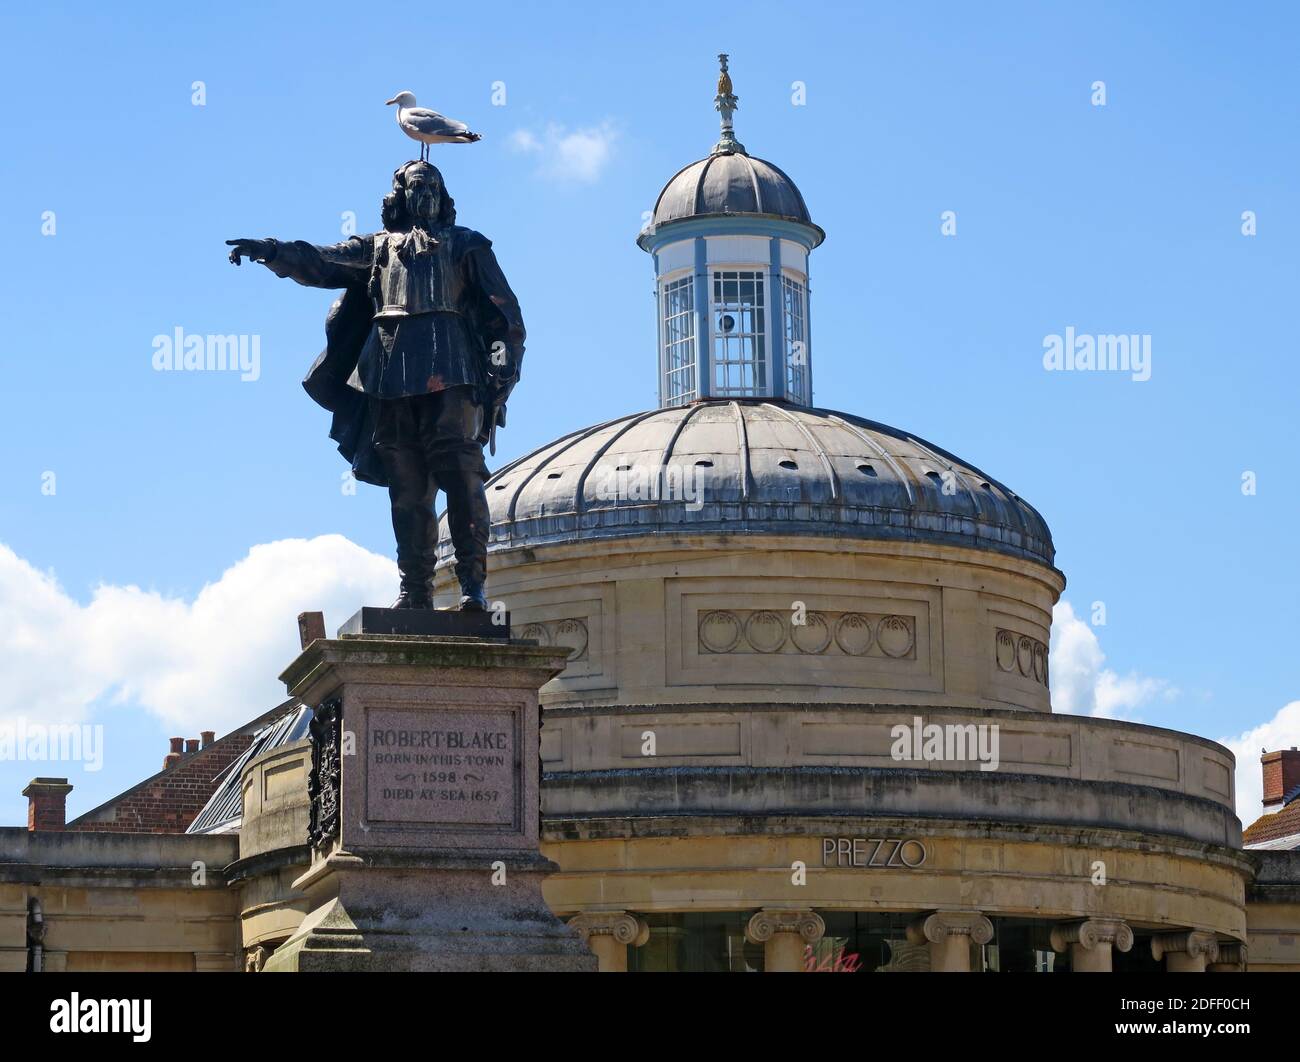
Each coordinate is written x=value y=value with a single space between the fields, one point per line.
x=429 y=127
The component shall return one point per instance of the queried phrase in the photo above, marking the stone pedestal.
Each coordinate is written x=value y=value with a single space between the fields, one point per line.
x=425 y=808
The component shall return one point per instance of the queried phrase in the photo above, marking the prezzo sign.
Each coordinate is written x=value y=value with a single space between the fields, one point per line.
x=877 y=852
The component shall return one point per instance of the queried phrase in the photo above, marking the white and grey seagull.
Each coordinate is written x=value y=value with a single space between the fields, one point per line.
x=429 y=127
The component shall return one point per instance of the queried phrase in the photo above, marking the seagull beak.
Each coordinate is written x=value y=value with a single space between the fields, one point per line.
x=389 y=103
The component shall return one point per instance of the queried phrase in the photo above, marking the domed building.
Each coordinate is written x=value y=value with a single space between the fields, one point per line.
x=806 y=718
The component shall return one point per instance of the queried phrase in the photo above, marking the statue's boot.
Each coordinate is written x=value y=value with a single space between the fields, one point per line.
x=468 y=519
x=411 y=491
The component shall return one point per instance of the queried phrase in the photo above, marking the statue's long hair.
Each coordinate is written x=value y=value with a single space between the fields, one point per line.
x=395 y=216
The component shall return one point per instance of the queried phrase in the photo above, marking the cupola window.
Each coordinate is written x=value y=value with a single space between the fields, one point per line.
x=739 y=330
x=797 y=387
x=679 y=341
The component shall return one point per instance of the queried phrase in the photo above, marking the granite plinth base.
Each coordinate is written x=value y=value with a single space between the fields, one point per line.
x=427 y=622
x=430 y=912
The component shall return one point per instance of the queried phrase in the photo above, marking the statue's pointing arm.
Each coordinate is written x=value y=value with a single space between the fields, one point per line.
x=339 y=265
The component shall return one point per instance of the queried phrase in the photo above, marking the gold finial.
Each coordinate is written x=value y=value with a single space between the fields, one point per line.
x=726 y=102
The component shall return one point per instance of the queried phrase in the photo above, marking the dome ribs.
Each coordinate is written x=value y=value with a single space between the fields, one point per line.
x=815 y=447
x=562 y=446
x=794 y=474
x=885 y=456
x=628 y=423
x=742 y=452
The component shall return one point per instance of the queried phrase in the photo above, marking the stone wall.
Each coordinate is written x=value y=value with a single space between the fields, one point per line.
x=115 y=901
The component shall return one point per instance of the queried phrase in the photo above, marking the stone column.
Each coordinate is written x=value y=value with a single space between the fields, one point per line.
x=1188 y=952
x=950 y=935
x=1232 y=958
x=784 y=932
x=609 y=934
x=1090 y=942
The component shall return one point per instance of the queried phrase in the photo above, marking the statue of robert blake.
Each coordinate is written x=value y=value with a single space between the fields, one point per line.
x=422 y=351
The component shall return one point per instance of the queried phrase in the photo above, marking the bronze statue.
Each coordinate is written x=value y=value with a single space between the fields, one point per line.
x=422 y=351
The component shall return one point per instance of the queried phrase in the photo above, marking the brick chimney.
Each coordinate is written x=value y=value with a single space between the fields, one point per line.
x=47 y=803
x=1281 y=775
x=191 y=746
x=174 y=757
x=208 y=736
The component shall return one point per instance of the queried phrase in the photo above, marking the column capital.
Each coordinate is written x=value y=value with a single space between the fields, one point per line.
x=1232 y=957
x=625 y=928
x=1194 y=943
x=941 y=925
x=1092 y=933
x=770 y=921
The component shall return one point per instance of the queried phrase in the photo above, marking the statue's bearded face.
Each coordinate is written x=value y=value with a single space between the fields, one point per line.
x=423 y=194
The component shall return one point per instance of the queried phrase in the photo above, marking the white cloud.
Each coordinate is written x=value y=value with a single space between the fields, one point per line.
x=1280 y=732
x=1082 y=684
x=206 y=664
x=578 y=155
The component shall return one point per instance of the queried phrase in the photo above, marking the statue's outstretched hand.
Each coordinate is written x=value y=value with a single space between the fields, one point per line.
x=257 y=250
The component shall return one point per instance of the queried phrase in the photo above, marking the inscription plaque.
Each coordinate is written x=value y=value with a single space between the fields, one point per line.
x=458 y=768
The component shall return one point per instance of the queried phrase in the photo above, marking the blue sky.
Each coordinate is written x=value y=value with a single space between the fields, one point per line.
x=1117 y=219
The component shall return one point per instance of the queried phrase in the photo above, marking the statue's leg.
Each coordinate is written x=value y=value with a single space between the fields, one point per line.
x=455 y=455
x=410 y=492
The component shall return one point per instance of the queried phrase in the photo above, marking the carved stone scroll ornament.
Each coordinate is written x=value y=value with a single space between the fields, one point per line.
x=1193 y=943
x=1092 y=933
x=326 y=731
x=938 y=927
x=623 y=927
x=770 y=921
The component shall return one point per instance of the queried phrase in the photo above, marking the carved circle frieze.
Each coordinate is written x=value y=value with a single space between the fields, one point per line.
x=1025 y=655
x=765 y=631
x=536 y=632
x=853 y=633
x=719 y=631
x=1006 y=651
x=813 y=635
x=1020 y=653
x=894 y=636
x=573 y=633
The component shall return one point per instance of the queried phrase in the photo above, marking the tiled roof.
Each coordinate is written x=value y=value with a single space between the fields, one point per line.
x=1274 y=827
